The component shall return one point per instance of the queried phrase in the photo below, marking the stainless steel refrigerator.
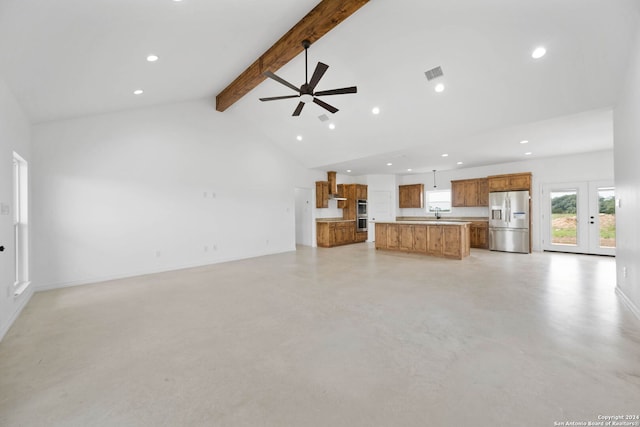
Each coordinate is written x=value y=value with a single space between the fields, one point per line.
x=509 y=221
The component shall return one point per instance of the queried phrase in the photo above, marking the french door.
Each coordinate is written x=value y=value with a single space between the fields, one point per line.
x=579 y=217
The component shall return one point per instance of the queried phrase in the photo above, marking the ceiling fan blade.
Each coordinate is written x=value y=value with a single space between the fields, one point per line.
x=324 y=105
x=281 y=80
x=273 y=98
x=298 y=109
x=341 y=91
x=317 y=75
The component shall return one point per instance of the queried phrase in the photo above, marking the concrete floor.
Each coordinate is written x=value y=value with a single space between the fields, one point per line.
x=345 y=336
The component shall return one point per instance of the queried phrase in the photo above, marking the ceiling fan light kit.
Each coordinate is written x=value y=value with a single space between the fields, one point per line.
x=305 y=93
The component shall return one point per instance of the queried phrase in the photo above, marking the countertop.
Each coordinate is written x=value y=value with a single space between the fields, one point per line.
x=427 y=222
x=334 y=220
x=443 y=218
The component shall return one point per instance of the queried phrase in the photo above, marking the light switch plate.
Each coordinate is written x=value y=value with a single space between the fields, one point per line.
x=5 y=209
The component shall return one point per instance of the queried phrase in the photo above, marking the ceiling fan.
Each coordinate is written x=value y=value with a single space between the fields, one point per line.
x=306 y=92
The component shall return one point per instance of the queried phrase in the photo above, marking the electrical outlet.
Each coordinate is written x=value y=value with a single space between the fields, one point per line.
x=624 y=272
x=215 y=247
x=206 y=248
x=158 y=254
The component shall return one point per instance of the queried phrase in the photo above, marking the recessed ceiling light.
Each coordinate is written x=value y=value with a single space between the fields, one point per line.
x=409 y=170
x=528 y=153
x=538 y=52
x=524 y=141
x=152 y=58
x=375 y=110
x=439 y=87
x=389 y=164
x=349 y=170
x=299 y=137
x=138 y=92
x=332 y=126
x=459 y=163
x=177 y=1
x=445 y=155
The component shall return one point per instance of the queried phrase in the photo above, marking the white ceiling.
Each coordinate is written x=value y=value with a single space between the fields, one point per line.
x=70 y=58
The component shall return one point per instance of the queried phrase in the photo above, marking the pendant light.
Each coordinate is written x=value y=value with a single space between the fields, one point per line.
x=434 y=178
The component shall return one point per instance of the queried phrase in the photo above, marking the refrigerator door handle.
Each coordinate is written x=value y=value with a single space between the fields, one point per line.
x=508 y=209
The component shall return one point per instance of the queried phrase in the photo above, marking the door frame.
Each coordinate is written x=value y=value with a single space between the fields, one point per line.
x=587 y=218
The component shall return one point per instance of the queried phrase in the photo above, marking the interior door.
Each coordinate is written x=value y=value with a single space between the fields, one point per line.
x=380 y=209
x=579 y=218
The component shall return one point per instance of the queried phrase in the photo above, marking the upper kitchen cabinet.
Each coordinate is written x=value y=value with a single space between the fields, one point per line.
x=361 y=192
x=510 y=182
x=470 y=192
x=411 y=196
x=322 y=194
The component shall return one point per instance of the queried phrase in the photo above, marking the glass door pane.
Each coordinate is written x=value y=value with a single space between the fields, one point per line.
x=564 y=217
x=606 y=217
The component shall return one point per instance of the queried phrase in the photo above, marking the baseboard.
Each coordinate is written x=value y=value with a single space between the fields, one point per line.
x=23 y=300
x=99 y=279
x=630 y=305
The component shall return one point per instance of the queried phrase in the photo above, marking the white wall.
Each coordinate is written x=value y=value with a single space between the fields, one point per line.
x=594 y=166
x=627 y=158
x=14 y=136
x=157 y=189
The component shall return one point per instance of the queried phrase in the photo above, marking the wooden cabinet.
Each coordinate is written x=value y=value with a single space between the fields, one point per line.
x=510 y=182
x=470 y=192
x=335 y=233
x=479 y=234
x=361 y=192
x=483 y=192
x=381 y=235
x=392 y=236
x=353 y=193
x=446 y=240
x=322 y=194
x=341 y=194
x=411 y=196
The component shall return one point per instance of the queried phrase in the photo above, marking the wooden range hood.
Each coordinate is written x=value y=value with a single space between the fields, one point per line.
x=333 y=186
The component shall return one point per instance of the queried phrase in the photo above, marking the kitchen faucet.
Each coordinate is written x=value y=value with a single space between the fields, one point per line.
x=437 y=209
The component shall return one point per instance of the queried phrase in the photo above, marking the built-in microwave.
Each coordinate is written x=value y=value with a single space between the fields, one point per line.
x=362 y=207
x=362 y=224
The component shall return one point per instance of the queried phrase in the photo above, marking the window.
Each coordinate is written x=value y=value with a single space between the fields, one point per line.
x=20 y=223
x=440 y=199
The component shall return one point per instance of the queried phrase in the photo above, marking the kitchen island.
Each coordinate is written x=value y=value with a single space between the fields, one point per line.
x=441 y=238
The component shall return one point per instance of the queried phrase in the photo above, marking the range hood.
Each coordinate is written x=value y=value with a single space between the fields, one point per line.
x=333 y=186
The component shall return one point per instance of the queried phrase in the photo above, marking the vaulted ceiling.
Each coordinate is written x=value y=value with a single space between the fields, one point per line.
x=71 y=58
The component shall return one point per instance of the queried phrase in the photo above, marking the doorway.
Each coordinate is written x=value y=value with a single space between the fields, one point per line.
x=303 y=216
x=579 y=217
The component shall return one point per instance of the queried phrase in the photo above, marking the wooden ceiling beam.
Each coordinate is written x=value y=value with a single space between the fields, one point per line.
x=322 y=19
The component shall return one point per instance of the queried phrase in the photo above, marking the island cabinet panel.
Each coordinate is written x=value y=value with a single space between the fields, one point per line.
x=434 y=240
x=381 y=236
x=420 y=238
x=452 y=241
x=393 y=238
x=510 y=182
x=405 y=237
x=449 y=240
